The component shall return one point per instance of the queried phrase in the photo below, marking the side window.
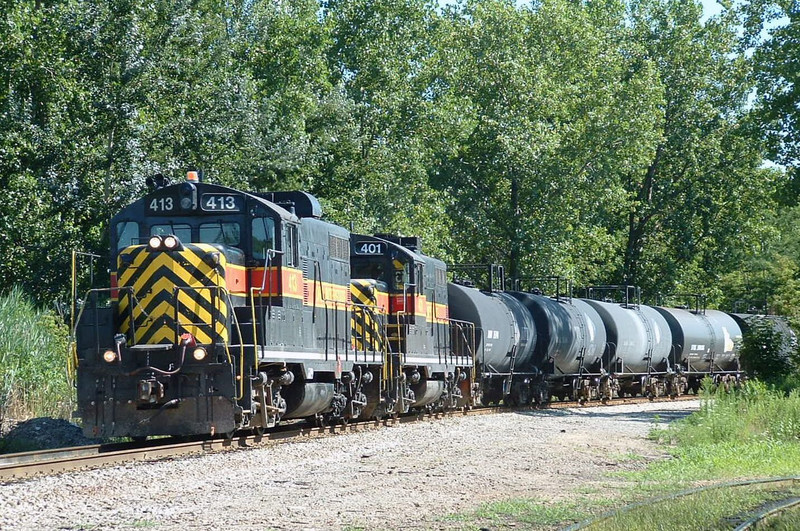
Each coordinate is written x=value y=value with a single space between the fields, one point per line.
x=290 y=255
x=400 y=274
x=181 y=230
x=225 y=233
x=263 y=234
x=127 y=234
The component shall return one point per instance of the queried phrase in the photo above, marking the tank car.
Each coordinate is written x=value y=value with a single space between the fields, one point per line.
x=505 y=342
x=704 y=343
x=571 y=338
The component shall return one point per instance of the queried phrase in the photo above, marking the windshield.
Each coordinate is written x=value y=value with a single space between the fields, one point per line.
x=181 y=230
x=225 y=233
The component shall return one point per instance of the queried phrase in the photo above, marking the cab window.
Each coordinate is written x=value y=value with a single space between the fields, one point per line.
x=127 y=234
x=263 y=232
x=364 y=269
x=181 y=230
x=224 y=233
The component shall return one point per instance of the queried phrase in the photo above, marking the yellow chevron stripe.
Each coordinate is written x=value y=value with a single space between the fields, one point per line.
x=166 y=334
x=182 y=268
x=360 y=297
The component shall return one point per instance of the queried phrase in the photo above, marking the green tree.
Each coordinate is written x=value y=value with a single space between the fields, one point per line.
x=382 y=53
x=546 y=116
x=774 y=34
x=702 y=194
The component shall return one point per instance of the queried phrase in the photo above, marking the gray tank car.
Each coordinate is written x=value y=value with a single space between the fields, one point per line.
x=705 y=343
x=571 y=338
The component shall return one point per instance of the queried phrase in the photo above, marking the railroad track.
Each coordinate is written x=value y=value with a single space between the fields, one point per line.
x=28 y=464
x=786 y=501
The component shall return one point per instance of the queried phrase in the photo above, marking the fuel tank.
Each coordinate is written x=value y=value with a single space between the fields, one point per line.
x=639 y=337
x=505 y=329
x=566 y=332
x=704 y=341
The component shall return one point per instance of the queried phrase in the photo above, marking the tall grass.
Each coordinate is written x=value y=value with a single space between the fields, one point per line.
x=751 y=432
x=755 y=412
x=33 y=349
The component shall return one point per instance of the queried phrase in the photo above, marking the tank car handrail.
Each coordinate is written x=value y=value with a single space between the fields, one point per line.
x=588 y=290
x=490 y=268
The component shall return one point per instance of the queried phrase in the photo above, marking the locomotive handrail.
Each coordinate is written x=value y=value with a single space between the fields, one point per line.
x=110 y=290
x=370 y=309
x=229 y=303
x=266 y=283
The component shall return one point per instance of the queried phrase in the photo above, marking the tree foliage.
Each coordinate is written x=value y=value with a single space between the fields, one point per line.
x=611 y=141
x=767 y=354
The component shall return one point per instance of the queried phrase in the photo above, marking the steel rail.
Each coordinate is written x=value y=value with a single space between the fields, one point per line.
x=772 y=510
x=668 y=497
x=28 y=464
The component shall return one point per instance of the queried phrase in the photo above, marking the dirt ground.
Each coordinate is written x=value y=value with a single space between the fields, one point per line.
x=406 y=476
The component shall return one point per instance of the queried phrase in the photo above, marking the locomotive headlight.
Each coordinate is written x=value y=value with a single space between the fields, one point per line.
x=155 y=242
x=109 y=356
x=170 y=242
x=199 y=353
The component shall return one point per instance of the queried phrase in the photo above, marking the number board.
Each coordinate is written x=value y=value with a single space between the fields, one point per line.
x=162 y=204
x=376 y=248
x=222 y=203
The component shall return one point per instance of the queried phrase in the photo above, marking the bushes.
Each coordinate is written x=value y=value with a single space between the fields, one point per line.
x=769 y=354
x=33 y=349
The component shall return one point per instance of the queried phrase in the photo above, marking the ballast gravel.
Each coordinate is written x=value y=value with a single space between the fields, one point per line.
x=399 y=477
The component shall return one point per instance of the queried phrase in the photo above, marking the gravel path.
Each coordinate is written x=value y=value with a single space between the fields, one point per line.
x=401 y=477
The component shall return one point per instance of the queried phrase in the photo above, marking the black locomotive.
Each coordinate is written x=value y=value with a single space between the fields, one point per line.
x=234 y=310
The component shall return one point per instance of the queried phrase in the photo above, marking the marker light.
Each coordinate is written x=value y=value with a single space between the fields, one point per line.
x=170 y=242
x=155 y=242
x=199 y=353
x=193 y=176
x=109 y=356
